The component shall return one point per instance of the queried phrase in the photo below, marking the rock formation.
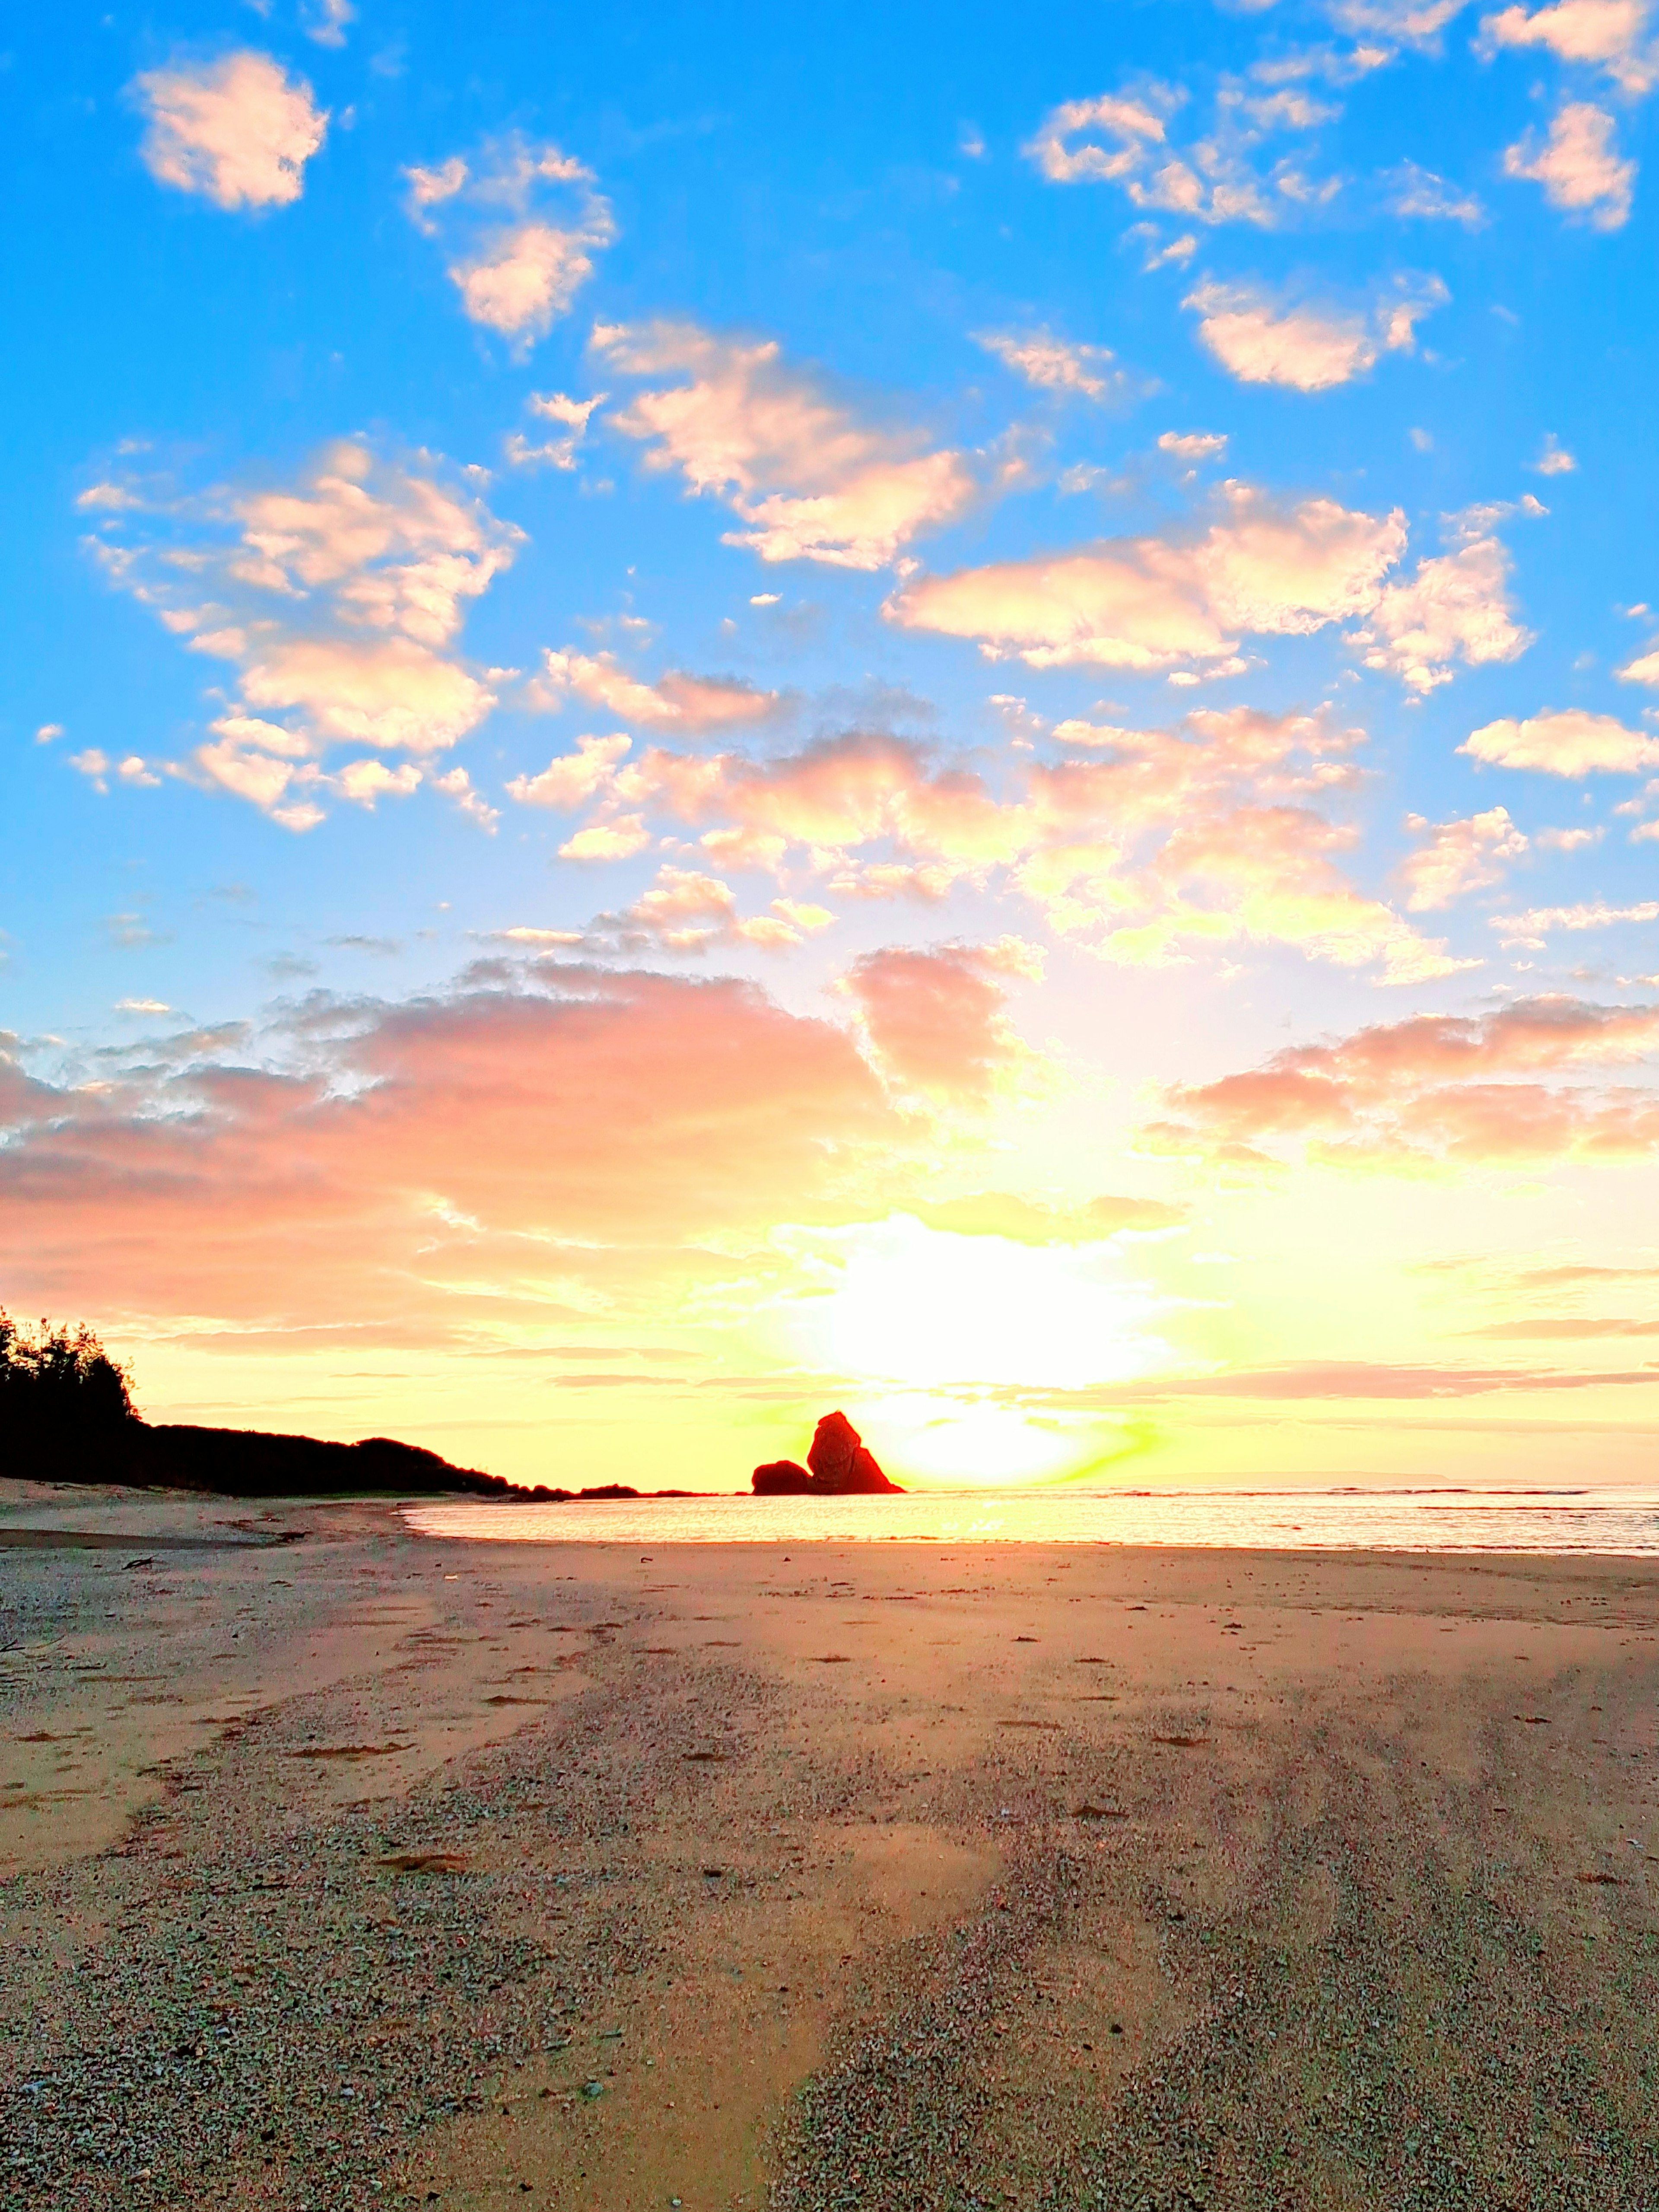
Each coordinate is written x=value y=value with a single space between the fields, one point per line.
x=782 y=1478
x=838 y=1466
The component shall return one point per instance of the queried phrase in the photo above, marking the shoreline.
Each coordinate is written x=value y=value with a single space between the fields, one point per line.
x=860 y=1875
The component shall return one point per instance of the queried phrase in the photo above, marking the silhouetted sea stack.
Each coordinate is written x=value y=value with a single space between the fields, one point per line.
x=838 y=1466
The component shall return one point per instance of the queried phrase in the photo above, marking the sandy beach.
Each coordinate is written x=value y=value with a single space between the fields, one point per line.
x=341 y=1866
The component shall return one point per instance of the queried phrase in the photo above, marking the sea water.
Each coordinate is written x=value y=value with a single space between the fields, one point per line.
x=1603 y=1521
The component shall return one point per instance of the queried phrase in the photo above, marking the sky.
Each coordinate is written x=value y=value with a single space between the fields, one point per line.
x=712 y=715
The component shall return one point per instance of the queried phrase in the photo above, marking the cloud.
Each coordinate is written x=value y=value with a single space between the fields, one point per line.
x=1263 y=341
x=1538 y=922
x=1156 y=603
x=1407 y=22
x=1159 y=841
x=1454 y=858
x=324 y=21
x=1421 y=196
x=1193 y=444
x=48 y=734
x=558 y=452
x=1571 y=742
x=1363 y=1378
x=1457 y=1090
x=572 y=779
x=676 y=701
x=1645 y=669
x=1053 y=365
x=1553 y=460
x=1612 y=35
x=808 y=479
x=1456 y=607
x=97 y=766
x=239 y=131
x=686 y=910
x=456 y=784
x=534 y=1137
x=523 y=222
x=1123 y=139
x=935 y=1019
x=1578 y=166
x=335 y=599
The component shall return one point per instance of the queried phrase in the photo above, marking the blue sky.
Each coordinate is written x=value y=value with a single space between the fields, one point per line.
x=1149 y=513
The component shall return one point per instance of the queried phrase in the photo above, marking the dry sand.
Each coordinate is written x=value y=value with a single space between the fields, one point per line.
x=368 y=1869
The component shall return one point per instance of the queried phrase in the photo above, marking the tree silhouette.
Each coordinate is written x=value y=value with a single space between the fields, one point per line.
x=59 y=1391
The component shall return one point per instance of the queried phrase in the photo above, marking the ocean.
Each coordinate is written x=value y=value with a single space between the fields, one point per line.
x=1613 y=1521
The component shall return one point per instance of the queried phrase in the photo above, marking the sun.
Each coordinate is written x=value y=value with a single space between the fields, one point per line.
x=950 y=1335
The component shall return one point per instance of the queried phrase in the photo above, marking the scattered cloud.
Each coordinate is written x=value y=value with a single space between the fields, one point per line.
x=456 y=785
x=1454 y=858
x=1158 y=603
x=1578 y=166
x=806 y=476
x=1455 y=607
x=1538 y=923
x=1614 y=36
x=1463 y=1090
x=555 y=452
x=335 y=599
x=1123 y=139
x=1572 y=743
x=1421 y=196
x=1263 y=340
x=48 y=734
x=1645 y=669
x=98 y=768
x=1053 y=365
x=239 y=131
x=324 y=21
x=676 y=701
x=1406 y=22
x=522 y=222
x=1194 y=446
x=1553 y=460
x=1154 y=844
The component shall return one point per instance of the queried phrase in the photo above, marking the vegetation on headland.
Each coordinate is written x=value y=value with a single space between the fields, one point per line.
x=67 y=1415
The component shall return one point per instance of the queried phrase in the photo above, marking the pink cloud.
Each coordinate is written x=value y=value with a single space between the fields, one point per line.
x=1153 y=840
x=935 y=1019
x=805 y=476
x=441 y=1160
x=1440 y=1088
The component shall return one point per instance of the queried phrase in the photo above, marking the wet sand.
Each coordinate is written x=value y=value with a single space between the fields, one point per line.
x=368 y=1869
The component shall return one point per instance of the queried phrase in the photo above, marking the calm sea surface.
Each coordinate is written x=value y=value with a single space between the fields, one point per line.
x=1607 y=1520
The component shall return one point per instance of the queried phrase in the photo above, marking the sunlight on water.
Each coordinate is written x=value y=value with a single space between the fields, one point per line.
x=1601 y=1520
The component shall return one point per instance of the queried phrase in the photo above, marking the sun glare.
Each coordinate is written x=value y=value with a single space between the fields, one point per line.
x=935 y=1442
x=945 y=1322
